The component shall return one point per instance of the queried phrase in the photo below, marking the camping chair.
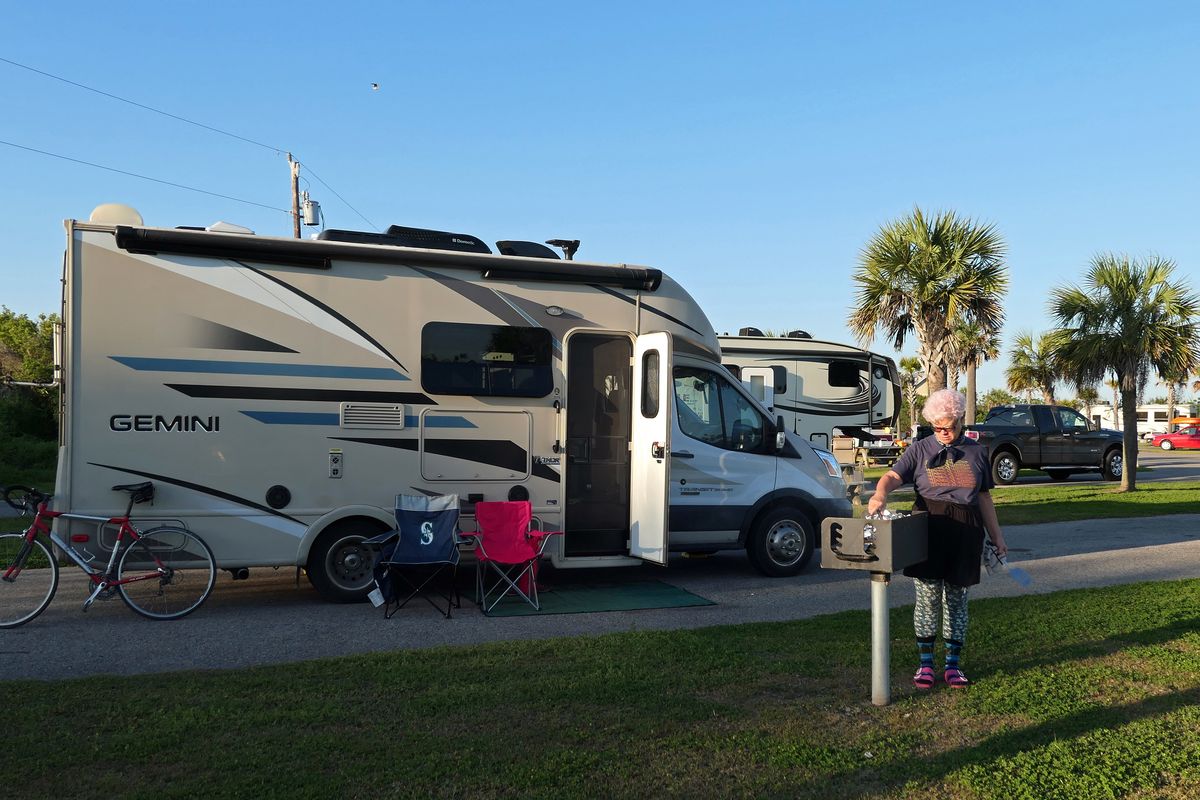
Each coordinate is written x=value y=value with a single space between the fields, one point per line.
x=415 y=559
x=507 y=552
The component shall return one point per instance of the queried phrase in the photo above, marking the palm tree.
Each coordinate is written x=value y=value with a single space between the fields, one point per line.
x=1088 y=396
x=970 y=344
x=910 y=379
x=1115 y=385
x=1130 y=318
x=922 y=275
x=1032 y=365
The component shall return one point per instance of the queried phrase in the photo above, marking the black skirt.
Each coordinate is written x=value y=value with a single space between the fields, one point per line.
x=955 y=543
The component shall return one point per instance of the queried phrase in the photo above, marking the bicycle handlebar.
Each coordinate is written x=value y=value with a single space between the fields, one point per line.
x=26 y=500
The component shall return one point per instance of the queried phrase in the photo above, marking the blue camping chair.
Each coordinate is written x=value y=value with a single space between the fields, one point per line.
x=417 y=558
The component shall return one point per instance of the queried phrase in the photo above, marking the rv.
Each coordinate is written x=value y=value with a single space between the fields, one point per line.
x=281 y=393
x=822 y=390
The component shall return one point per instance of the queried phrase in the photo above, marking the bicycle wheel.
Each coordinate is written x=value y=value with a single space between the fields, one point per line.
x=170 y=572
x=27 y=593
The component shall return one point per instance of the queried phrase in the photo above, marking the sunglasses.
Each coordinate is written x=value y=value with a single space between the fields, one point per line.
x=940 y=429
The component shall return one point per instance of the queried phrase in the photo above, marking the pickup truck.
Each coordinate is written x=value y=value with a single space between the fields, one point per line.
x=1055 y=439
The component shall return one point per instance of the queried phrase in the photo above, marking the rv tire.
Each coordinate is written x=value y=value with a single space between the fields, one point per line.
x=339 y=567
x=781 y=542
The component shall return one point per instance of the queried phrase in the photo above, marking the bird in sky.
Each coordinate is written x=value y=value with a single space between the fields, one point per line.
x=374 y=87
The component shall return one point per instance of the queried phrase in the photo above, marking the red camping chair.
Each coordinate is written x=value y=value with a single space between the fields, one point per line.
x=507 y=552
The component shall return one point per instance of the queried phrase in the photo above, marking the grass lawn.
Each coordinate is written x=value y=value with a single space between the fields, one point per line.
x=1078 y=695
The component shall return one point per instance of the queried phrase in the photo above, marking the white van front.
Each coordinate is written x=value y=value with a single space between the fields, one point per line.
x=733 y=484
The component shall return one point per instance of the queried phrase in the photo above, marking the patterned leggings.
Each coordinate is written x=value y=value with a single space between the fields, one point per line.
x=928 y=612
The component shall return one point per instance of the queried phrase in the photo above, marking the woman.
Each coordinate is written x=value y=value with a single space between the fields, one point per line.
x=952 y=478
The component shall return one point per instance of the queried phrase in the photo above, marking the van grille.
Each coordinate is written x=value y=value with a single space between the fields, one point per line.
x=372 y=415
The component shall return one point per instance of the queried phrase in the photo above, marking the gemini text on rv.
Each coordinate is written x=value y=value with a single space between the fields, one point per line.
x=147 y=423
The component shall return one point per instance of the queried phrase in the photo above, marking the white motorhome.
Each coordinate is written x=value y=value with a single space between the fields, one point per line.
x=821 y=389
x=281 y=392
x=1152 y=418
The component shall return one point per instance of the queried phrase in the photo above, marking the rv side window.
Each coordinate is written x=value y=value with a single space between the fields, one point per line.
x=650 y=384
x=486 y=360
x=843 y=373
x=780 y=379
x=711 y=410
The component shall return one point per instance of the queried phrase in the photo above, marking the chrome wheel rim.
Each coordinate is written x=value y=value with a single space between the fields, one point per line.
x=1006 y=468
x=786 y=542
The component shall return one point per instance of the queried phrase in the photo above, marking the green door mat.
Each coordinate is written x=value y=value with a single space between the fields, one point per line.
x=583 y=598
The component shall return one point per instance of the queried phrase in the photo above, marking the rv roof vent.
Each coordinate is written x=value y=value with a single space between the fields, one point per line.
x=220 y=226
x=526 y=249
x=115 y=214
x=799 y=335
x=749 y=332
x=399 y=236
x=372 y=415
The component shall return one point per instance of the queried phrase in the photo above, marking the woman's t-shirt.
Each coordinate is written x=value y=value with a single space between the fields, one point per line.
x=958 y=477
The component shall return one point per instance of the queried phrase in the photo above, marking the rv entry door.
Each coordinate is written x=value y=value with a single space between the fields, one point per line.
x=650 y=451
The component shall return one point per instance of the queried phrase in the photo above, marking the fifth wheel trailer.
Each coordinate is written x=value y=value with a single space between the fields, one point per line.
x=821 y=389
x=282 y=392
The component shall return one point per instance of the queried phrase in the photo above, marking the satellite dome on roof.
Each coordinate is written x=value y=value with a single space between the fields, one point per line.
x=115 y=214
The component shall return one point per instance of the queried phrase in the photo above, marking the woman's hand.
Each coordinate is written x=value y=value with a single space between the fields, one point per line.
x=877 y=503
x=998 y=544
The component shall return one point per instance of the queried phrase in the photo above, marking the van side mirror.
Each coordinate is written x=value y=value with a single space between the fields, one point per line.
x=780 y=435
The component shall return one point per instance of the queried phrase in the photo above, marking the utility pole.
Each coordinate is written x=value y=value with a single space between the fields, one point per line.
x=295 y=165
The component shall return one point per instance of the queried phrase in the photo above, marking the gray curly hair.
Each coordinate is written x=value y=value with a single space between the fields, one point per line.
x=944 y=404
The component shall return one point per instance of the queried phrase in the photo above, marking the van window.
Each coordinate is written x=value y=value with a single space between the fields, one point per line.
x=486 y=360
x=711 y=410
x=843 y=373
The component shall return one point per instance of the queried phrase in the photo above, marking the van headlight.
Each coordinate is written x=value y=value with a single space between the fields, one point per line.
x=831 y=463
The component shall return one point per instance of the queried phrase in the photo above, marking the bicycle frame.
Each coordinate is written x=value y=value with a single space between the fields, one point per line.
x=101 y=579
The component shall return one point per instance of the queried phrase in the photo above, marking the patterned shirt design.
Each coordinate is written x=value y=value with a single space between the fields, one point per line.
x=952 y=474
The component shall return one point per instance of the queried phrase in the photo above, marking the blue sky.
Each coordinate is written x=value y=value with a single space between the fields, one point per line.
x=749 y=149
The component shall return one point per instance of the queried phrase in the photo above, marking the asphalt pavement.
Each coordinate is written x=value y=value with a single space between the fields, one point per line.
x=273 y=618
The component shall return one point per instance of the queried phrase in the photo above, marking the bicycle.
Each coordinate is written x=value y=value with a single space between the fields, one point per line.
x=165 y=572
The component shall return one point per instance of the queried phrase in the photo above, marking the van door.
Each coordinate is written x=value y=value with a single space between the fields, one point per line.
x=650 y=449
x=760 y=382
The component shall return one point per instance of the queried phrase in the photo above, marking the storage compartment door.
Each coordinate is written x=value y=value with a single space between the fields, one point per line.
x=651 y=447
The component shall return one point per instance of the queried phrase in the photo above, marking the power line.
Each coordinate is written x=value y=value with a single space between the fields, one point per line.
x=143 y=106
x=276 y=150
x=145 y=177
x=339 y=197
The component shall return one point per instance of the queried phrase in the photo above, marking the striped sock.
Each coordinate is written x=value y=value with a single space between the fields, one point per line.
x=925 y=650
x=953 y=650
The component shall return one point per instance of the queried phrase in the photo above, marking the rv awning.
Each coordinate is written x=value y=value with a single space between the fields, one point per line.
x=320 y=255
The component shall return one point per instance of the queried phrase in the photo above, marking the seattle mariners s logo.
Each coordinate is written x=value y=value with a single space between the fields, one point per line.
x=426 y=533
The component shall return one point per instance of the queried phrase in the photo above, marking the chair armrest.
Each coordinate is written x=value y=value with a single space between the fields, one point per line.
x=541 y=537
x=382 y=539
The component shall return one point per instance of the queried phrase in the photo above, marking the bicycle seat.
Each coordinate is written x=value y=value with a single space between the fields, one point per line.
x=141 y=491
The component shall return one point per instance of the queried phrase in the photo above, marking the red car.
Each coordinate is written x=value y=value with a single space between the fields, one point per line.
x=1183 y=438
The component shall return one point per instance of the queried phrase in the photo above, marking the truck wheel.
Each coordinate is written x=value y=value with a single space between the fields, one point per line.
x=339 y=566
x=1113 y=465
x=781 y=542
x=1058 y=474
x=1166 y=445
x=1005 y=467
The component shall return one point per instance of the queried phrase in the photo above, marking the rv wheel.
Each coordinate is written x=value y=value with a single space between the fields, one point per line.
x=339 y=566
x=781 y=542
